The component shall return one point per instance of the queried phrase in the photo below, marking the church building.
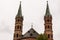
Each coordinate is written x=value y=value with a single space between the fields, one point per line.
x=32 y=34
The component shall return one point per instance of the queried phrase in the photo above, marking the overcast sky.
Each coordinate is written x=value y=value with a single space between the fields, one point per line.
x=33 y=12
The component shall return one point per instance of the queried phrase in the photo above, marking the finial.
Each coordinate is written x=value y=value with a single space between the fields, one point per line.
x=31 y=25
x=20 y=2
x=47 y=1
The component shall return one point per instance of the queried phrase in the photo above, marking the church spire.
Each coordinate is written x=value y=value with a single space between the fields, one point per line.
x=48 y=24
x=47 y=10
x=19 y=11
x=18 y=25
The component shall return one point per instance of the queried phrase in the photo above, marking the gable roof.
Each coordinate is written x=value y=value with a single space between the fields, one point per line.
x=31 y=33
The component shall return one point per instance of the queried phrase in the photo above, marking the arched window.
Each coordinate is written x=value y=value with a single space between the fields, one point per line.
x=16 y=35
x=18 y=27
x=48 y=26
x=48 y=35
x=48 y=20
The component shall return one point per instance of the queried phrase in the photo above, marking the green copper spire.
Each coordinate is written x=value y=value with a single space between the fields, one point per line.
x=47 y=10
x=19 y=11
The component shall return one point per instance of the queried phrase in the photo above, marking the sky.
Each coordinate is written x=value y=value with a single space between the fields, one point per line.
x=33 y=11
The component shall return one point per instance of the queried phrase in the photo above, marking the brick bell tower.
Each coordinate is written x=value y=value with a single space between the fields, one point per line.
x=48 y=23
x=18 y=25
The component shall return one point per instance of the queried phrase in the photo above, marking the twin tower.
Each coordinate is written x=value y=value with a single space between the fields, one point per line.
x=32 y=34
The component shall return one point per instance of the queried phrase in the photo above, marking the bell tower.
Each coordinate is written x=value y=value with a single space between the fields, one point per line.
x=48 y=23
x=18 y=24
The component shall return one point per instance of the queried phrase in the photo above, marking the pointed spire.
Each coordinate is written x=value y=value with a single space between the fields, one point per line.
x=47 y=10
x=19 y=11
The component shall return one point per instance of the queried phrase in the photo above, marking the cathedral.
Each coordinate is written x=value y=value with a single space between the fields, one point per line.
x=32 y=34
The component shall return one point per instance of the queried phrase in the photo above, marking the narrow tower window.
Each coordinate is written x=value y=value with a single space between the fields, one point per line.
x=48 y=26
x=18 y=27
x=48 y=35
x=48 y=20
x=17 y=35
